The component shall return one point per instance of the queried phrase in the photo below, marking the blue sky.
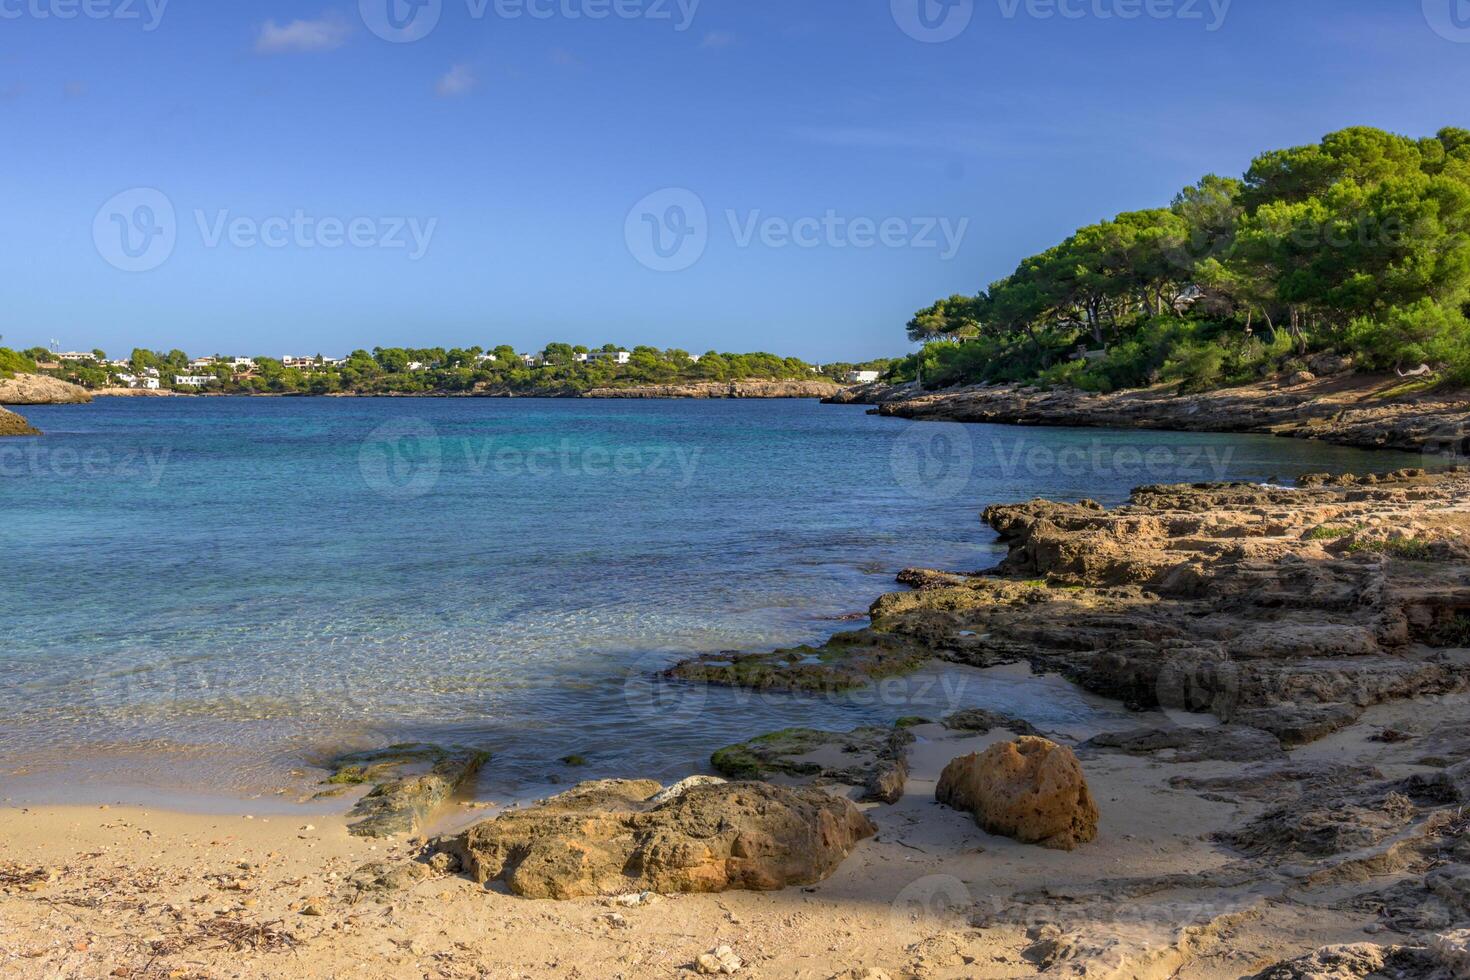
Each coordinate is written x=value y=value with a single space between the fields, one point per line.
x=520 y=148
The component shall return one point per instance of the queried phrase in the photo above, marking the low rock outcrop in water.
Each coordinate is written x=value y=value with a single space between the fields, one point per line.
x=1350 y=410
x=612 y=837
x=12 y=424
x=41 y=389
x=1031 y=789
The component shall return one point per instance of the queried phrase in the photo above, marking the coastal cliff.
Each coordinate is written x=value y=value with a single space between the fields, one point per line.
x=725 y=389
x=39 y=389
x=12 y=424
x=1366 y=411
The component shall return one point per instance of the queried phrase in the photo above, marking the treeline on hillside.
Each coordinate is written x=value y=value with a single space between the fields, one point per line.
x=397 y=370
x=12 y=363
x=1359 y=245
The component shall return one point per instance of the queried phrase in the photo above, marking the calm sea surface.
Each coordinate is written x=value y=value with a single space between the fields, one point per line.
x=198 y=595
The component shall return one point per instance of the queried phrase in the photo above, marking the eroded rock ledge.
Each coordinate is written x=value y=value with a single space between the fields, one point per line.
x=1350 y=410
x=1283 y=610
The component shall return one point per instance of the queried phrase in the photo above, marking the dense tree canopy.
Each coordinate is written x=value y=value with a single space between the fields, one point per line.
x=1360 y=244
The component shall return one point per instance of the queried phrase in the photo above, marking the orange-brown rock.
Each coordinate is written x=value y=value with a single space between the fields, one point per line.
x=614 y=836
x=1031 y=789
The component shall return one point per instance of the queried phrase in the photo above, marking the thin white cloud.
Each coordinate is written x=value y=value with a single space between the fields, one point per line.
x=457 y=81
x=718 y=39
x=323 y=34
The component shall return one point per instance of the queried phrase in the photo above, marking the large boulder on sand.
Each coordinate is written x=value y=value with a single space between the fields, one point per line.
x=611 y=838
x=1031 y=789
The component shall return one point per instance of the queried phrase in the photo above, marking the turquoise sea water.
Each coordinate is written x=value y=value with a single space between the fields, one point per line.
x=199 y=594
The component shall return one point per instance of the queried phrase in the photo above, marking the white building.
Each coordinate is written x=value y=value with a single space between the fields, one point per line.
x=246 y=363
x=73 y=355
x=202 y=362
x=417 y=366
x=862 y=377
x=533 y=360
x=616 y=356
x=131 y=380
x=193 y=380
x=149 y=384
x=486 y=359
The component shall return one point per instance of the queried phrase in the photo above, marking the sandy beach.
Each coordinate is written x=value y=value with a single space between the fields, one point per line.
x=127 y=892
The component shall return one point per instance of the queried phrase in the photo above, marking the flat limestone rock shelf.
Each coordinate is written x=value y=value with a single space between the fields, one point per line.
x=1369 y=411
x=1285 y=611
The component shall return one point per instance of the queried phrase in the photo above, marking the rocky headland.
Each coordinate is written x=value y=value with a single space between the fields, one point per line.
x=1367 y=411
x=12 y=424
x=41 y=389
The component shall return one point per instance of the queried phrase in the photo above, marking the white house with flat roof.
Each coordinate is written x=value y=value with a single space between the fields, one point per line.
x=862 y=377
x=616 y=356
x=193 y=380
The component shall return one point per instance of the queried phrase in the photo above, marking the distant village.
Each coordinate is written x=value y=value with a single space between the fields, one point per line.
x=150 y=371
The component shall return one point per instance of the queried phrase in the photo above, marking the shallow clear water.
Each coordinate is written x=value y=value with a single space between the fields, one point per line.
x=200 y=593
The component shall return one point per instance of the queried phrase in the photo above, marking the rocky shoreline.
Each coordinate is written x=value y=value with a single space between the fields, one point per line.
x=1364 y=411
x=1290 y=798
